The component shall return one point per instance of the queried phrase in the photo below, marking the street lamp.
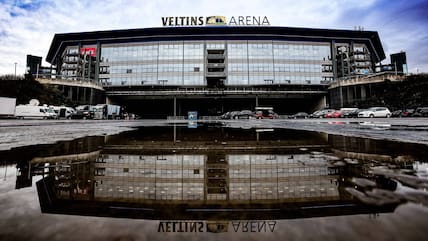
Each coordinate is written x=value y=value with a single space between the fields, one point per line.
x=15 y=68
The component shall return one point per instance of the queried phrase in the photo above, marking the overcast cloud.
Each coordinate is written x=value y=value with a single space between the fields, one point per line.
x=27 y=27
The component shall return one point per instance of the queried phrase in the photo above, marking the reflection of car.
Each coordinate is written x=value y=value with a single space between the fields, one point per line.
x=321 y=113
x=299 y=115
x=225 y=115
x=265 y=114
x=375 y=112
x=421 y=112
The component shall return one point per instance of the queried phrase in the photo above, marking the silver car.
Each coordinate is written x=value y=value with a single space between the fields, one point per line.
x=375 y=112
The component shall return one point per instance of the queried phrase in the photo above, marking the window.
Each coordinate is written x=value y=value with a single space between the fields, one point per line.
x=196 y=69
x=129 y=71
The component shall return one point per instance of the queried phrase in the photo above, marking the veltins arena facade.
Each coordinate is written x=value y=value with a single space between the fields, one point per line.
x=213 y=69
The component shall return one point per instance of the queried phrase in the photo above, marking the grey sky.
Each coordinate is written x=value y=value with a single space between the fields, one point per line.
x=27 y=27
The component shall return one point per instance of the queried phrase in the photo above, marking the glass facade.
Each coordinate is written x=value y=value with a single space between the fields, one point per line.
x=234 y=62
x=247 y=63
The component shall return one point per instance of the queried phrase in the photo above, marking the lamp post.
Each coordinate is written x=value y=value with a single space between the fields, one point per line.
x=15 y=68
x=395 y=67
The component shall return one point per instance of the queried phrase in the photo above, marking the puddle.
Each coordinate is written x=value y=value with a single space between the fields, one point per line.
x=210 y=179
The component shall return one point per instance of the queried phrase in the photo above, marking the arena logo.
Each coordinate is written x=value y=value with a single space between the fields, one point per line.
x=215 y=21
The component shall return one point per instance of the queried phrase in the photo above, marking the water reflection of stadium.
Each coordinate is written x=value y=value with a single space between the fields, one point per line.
x=273 y=175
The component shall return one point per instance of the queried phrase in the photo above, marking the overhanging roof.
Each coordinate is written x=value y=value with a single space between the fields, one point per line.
x=371 y=38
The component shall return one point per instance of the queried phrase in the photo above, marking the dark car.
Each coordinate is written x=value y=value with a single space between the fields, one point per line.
x=407 y=113
x=421 y=112
x=245 y=114
x=321 y=113
x=299 y=115
x=353 y=114
x=83 y=112
x=225 y=115
x=265 y=114
x=396 y=113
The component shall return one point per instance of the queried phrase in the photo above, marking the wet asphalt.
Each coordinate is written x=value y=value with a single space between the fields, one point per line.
x=17 y=133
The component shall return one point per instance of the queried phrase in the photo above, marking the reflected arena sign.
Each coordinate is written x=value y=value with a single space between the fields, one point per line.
x=215 y=21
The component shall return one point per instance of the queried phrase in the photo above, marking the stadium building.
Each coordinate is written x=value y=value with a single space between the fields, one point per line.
x=169 y=71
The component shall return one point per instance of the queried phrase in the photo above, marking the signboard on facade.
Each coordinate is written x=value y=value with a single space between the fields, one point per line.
x=89 y=51
x=186 y=21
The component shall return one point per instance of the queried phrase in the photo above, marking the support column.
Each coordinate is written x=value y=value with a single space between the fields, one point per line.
x=175 y=107
x=257 y=101
x=363 y=92
x=91 y=96
x=84 y=95
x=97 y=62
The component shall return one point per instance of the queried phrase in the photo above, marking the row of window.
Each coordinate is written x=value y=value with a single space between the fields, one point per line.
x=199 y=80
x=233 y=67
x=235 y=50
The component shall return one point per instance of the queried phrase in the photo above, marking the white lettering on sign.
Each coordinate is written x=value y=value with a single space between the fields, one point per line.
x=215 y=21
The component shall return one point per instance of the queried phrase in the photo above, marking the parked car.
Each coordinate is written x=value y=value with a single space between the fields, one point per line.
x=83 y=112
x=353 y=114
x=375 y=112
x=407 y=113
x=299 y=115
x=334 y=114
x=63 y=111
x=321 y=113
x=245 y=114
x=265 y=114
x=225 y=116
x=421 y=112
x=344 y=111
x=396 y=113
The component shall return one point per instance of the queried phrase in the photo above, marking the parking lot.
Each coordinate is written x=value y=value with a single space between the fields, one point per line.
x=15 y=133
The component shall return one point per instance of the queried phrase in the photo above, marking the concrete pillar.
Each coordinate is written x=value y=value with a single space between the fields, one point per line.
x=350 y=95
x=175 y=107
x=333 y=58
x=363 y=92
x=97 y=62
x=91 y=96
x=84 y=95
x=77 y=94
x=257 y=101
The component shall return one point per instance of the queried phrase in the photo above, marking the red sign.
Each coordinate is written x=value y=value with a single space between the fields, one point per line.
x=89 y=51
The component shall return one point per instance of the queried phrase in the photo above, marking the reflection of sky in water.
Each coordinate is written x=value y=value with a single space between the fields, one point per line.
x=7 y=178
x=421 y=169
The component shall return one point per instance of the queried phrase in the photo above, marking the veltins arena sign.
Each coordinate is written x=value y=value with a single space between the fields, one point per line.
x=215 y=21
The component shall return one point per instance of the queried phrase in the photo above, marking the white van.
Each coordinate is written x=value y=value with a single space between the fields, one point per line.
x=34 y=112
x=63 y=111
